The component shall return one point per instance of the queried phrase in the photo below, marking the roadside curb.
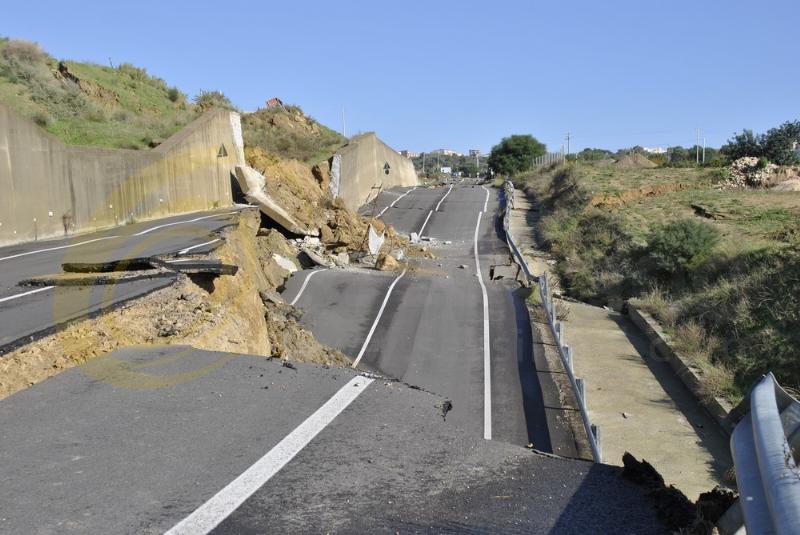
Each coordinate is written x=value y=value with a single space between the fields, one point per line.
x=718 y=408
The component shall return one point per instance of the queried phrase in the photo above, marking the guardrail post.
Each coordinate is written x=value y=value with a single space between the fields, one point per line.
x=568 y=355
x=598 y=441
x=582 y=391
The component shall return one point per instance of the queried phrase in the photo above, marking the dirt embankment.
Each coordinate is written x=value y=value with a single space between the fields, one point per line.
x=226 y=313
x=612 y=201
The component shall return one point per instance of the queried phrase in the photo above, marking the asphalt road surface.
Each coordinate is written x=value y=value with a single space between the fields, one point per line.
x=176 y=440
x=430 y=330
x=27 y=312
x=183 y=441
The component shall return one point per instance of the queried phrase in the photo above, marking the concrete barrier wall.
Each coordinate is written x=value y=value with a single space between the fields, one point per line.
x=49 y=189
x=361 y=167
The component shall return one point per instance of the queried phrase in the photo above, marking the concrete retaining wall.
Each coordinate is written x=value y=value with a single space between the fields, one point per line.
x=361 y=165
x=49 y=189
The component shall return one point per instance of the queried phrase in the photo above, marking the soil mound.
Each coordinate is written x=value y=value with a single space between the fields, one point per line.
x=636 y=161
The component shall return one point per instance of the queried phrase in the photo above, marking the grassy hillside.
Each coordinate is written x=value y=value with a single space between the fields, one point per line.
x=125 y=107
x=290 y=133
x=84 y=103
x=719 y=268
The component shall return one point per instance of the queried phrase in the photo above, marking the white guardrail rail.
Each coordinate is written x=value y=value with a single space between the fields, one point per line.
x=764 y=445
x=564 y=351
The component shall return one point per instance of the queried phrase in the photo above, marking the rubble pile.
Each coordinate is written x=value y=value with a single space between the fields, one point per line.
x=746 y=172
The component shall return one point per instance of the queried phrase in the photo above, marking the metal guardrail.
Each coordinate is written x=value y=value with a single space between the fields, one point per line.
x=557 y=328
x=764 y=445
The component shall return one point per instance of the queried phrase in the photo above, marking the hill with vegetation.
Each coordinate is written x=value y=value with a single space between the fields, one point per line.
x=125 y=107
x=718 y=267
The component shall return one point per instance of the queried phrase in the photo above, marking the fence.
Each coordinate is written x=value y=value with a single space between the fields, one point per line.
x=548 y=159
x=557 y=328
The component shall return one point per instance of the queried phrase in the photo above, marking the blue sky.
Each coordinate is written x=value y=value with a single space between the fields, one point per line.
x=426 y=75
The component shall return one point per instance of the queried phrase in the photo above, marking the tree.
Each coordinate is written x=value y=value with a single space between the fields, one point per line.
x=745 y=144
x=468 y=169
x=779 y=143
x=515 y=154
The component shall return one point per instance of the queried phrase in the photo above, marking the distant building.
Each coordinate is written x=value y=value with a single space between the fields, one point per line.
x=446 y=170
x=474 y=152
x=274 y=102
x=654 y=150
x=446 y=152
x=409 y=153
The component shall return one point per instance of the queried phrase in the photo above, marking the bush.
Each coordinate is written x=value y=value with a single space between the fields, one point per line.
x=677 y=247
x=174 y=94
x=213 y=99
x=42 y=119
x=23 y=52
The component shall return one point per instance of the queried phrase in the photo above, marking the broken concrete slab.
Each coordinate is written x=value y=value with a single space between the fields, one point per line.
x=315 y=258
x=342 y=259
x=253 y=185
x=284 y=263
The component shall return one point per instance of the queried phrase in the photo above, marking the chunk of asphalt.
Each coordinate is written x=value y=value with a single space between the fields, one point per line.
x=128 y=264
x=196 y=267
x=287 y=364
x=445 y=406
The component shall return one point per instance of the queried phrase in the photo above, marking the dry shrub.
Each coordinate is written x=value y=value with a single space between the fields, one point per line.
x=656 y=303
x=23 y=51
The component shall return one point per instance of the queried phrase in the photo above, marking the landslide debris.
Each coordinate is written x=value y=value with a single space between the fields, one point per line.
x=225 y=313
x=678 y=513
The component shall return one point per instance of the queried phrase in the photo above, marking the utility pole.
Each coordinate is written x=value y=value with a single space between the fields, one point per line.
x=704 y=150
x=568 y=138
x=697 y=148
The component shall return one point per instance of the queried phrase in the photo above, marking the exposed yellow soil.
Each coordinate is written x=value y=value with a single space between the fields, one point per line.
x=611 y=201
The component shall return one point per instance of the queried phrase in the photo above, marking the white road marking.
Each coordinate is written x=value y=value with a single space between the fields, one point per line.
x=486 y=202
x=209 y=515
x=395 y=201
x=377 y=319
x=57 y=248
x=193 y=247
x=157 y=227
x=443 y=198
x=303 y=287
x=424 y=224
x=487 y=365
x=36 y=291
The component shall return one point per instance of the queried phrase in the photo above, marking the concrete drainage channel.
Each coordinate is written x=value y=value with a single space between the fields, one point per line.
x=557 y=328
